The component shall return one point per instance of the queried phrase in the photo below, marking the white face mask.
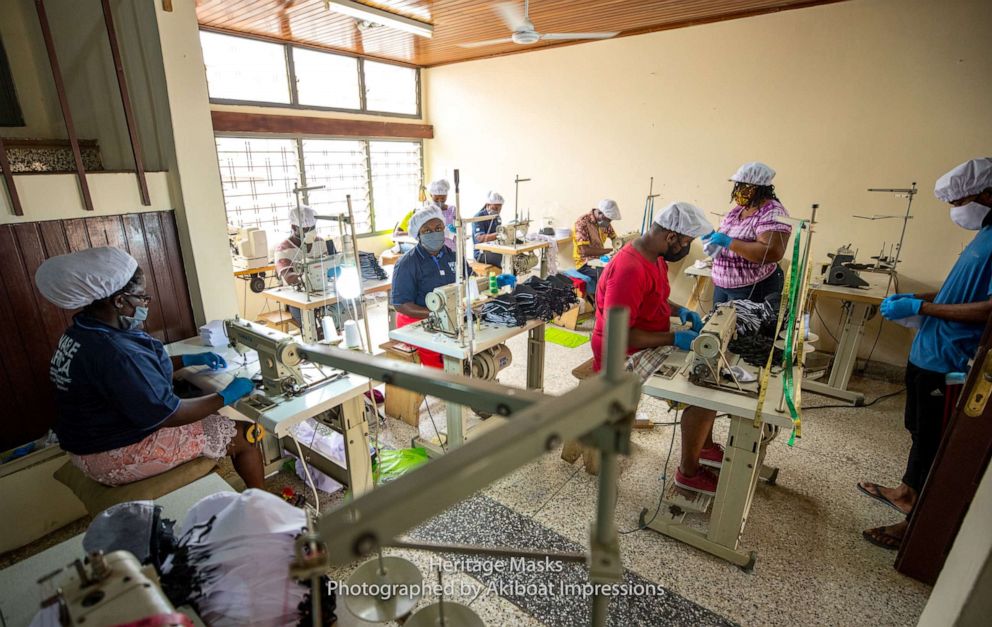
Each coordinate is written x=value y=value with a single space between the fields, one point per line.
x=309 y=238
x=969 y=216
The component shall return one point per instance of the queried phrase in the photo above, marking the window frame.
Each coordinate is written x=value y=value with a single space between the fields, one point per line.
x=294 y=100
x=297 y=140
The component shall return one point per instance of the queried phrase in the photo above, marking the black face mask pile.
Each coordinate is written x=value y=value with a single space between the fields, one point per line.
x=371 y=270
x=534 y=299
x=756 y=331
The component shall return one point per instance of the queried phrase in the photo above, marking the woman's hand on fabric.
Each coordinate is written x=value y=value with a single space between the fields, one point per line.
x=237 y=389
x=212 y=360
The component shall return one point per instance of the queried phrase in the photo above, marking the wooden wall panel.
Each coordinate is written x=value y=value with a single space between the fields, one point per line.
x=30 y=326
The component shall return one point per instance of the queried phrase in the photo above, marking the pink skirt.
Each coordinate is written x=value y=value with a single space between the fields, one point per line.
x=161 y=451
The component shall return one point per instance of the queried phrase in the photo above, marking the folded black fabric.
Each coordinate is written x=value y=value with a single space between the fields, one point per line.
x=503 y=310
x=370 y=268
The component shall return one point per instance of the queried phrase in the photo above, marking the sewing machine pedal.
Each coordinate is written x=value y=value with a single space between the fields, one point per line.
x=679 y=502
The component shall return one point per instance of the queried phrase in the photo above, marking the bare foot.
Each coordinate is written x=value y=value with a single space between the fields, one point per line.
x=889 y=537
x=901 y=498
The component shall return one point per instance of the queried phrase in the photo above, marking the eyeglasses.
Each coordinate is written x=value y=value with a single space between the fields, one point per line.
x=144 y=298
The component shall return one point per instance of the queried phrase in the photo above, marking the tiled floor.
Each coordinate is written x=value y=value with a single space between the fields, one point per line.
x=813 y=567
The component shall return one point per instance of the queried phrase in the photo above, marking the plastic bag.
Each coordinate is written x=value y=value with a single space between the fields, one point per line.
x=393 y=464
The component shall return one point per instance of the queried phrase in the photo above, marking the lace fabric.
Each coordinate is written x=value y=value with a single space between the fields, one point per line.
x=161 y=451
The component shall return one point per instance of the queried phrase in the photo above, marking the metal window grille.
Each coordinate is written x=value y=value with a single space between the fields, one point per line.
x=341 y=167
x=258 y=176
x=397 y=173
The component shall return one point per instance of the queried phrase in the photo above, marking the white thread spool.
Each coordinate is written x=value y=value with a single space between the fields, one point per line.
x=330 y=331
x=352 y=338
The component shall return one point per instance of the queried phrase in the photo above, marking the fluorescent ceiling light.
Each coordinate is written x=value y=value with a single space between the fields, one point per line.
x=364 y=12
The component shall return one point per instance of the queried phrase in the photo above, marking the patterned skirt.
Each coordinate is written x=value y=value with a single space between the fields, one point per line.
x=161 y=451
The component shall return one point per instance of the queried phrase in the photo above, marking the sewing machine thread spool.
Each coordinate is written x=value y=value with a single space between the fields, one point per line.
x=352 y=338
x=330 y=331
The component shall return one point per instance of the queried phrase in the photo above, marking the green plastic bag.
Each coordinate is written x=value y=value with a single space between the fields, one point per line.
x=393 y=464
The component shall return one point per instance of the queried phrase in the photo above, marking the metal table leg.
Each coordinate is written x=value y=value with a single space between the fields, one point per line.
x=355 y=430
x=308 y=332
x=455 y=413
x=535 y=358
x=855 y=316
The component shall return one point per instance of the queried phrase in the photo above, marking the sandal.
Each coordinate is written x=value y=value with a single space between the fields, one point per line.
x=872 y=490
x=881 y=538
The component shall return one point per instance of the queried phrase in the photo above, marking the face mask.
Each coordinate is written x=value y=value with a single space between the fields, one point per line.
x=604 y=224
x=432 y=241
x=744 y=196
x=309 y=238
x=969 y=216
x=131 y=323
x=671 y=257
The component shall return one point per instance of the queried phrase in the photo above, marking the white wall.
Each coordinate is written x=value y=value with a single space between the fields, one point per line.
x=56 y=196
x=838 y=98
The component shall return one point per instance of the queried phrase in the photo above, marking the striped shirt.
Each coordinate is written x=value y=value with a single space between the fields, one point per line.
x=730 y=270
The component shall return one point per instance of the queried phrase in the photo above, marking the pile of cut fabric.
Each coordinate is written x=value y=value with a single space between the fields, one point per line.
x=756 y=331
x=371 y=270
x=534 y=299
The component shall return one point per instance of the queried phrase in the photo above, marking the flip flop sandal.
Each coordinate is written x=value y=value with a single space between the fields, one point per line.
x=878 y=497
x=880 y=538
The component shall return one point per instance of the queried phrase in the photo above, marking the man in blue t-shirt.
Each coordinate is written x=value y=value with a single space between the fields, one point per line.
x=951 y=322
x=484 y=232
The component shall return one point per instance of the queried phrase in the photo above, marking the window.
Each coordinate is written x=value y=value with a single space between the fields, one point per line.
x=390 y=88
x=326 y=80
x=248 y=70
x=258 y=176
x=245 y=69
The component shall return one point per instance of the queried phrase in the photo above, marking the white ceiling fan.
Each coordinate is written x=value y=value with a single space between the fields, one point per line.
x=523 y=29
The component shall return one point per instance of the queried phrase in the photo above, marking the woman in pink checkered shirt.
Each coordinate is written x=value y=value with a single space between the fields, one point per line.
x=750 y=242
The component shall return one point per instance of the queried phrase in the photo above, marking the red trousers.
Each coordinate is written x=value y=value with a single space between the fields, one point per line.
x=427 y=358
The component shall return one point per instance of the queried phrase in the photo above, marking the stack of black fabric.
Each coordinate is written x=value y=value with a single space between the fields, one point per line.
x=557 y=291
x=756 y=331
x=371 y=270
x=503 y=310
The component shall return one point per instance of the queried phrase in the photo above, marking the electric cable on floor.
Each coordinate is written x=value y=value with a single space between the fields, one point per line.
x=868 y=404
x=560 y=488
x=664 y=485
x=437 y=433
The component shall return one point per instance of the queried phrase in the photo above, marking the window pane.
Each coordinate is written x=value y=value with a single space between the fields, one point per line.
x=244 y=69
x=340 y=166
x=390 y=88
x=396 y=178
x=258 y=176
x=326 y=80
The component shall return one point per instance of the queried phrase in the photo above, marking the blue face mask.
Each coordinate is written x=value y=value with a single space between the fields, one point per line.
x=432 y=241
x=131 y=323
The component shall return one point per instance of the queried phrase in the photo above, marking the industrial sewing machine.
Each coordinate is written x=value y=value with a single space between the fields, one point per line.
x=843 y=271
x=443 y=305
x=278 y=359
x=512 y=232
x=709 y=349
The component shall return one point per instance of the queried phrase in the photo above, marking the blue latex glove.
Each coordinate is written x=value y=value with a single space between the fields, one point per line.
x=506 y=279
x=898 y=308
x=903 y=295
x=605 y=259
x=238 y=388
x=718 y=238
x=683 y=339
x=451 y=228
x=693 y=317
x=215 y=361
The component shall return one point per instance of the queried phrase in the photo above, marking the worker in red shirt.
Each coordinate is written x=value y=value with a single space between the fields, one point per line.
x=637 y=279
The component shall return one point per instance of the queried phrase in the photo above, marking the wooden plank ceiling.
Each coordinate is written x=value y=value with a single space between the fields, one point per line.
x=464 y=21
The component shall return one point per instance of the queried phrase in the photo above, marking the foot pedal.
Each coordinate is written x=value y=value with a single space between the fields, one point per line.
x=687 y=500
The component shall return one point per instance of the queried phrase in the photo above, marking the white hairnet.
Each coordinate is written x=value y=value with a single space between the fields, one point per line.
x=439 y=187
x=303 y=216
x=609 y=208
x=422 y=217
x=685 y=219
x=754 y=173
x=75 y=280
x=494 y=198
x=969 y=178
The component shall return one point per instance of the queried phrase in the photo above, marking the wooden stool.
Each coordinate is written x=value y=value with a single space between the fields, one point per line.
x=97 y=497
x=573 y=449
x=280 y=320
x=483 y=269
x=402 y=403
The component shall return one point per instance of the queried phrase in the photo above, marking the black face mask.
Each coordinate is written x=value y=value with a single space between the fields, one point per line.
x=672 y=257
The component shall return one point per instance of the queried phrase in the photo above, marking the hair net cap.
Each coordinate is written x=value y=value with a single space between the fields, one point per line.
x=422 y=217
x=969 y=178
x=303 y=217
x=494 y=198
x=609 y=208
x=684 y=219
x=75 y=280
x=439 y=187
x=754 y=173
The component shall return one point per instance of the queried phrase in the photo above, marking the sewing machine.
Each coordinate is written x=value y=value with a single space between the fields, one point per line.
x=512 y=232
x=278 y=359
x=843 y=271
x=622 y=240
x=111 y=589
x=443 y=305
x=709 y=349
x=249 y=247
x=313 y=272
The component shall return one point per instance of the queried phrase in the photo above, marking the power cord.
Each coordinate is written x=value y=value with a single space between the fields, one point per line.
x=664 y=483
x=868 y=404
x=436 y=432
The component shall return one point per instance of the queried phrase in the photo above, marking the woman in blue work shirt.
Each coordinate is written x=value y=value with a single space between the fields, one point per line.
x=118 y=416
x=418 y=272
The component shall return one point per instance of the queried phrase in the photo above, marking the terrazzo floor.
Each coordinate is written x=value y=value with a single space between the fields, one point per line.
x=813 y=566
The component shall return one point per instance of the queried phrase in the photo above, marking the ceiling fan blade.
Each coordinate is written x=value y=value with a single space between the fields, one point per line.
x=563 y=36
x=490 y=42
x=511 y=14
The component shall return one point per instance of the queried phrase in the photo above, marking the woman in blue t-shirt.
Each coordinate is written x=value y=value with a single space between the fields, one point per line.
x=118 y=416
